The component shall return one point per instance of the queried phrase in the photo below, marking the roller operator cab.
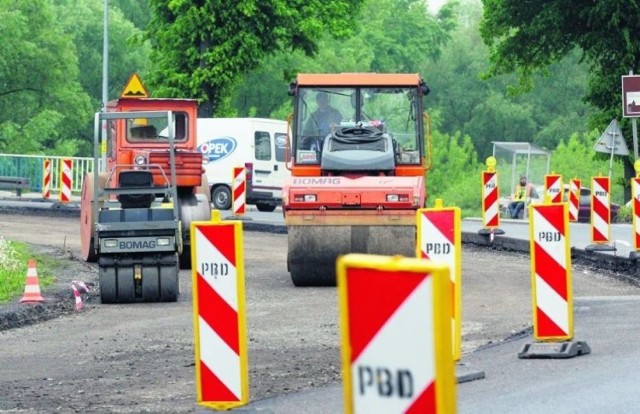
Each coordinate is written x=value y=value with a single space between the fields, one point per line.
x=358 y=165
x=136 y=211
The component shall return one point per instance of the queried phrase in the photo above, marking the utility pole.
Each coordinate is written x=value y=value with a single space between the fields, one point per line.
x=105 y=85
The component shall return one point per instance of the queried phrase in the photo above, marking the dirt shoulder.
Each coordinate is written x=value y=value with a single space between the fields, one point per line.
x=58 y=297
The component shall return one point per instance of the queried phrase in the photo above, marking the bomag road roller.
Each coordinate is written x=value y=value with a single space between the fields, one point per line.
x=135 y=213
x=358 y=161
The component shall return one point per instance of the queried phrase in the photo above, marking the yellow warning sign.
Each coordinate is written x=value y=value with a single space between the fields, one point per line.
x=134 y=88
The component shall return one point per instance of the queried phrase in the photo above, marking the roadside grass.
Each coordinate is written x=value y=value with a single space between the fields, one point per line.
x=14 y=262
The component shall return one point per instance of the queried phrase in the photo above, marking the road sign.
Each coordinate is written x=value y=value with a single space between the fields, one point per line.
x=551 y=285
x=612 y=140
x=635 y=191
x=490 y=195
x=551 y=272
x=134 y=88
x=553 y=187
x=220 y=329
x=631 y=96
x=439 y=239
x=600 y=209
x=574 y=199
x=396 y=339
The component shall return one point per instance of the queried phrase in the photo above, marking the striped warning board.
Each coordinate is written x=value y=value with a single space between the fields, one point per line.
x=490 y=195
x=553 y=187
x=219 y=314
x=635 y=191
x=551 y=272
x=439 y=239
x=46 y=178
x=66 y=180
x=574 y=199
x=600 y=210
x=390 y=312
x=239 y=190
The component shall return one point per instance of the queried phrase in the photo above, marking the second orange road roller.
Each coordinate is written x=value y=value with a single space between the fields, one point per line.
x=358 y=158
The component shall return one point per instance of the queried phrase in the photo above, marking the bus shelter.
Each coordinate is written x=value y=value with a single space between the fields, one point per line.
x=517 y=158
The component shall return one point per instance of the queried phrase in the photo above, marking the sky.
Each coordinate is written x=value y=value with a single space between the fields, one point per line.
x=434 y=5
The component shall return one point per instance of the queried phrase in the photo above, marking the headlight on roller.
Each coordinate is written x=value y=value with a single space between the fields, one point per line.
x=305 y=198
x=111 y=243
x=394 y=198
x=140 y=160
x=163 y=241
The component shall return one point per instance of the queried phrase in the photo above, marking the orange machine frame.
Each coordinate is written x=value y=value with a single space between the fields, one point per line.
x=359 y=79
x=189 y=167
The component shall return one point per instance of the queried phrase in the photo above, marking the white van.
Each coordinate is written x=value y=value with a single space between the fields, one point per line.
x=258 y=144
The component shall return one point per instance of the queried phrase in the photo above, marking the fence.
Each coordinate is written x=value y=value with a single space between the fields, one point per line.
x=31 y=167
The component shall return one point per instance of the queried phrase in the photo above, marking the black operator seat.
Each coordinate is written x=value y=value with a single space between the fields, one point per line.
x=136 y=179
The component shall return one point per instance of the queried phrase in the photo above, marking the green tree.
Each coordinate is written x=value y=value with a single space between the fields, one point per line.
x=575 y=158
x=455 y=176
x=136 y=11
x=491 y=109
x=527 y=35
x=84 y=21
x=42 y=104
x=201 y=48
x=410 y=37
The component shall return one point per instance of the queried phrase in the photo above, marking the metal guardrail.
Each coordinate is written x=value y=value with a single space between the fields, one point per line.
x=14 y=183
x=31 y=167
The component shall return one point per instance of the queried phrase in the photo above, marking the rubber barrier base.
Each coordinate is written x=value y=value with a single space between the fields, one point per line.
x=600 y=248
x=487 y=231
x=557 y=350
x=465 y=373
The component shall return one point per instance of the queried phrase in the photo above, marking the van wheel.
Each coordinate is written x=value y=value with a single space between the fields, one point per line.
x=265 y=207
x=221 y=198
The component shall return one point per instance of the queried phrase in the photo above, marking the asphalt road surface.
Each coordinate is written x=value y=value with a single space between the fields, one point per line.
x=140 y=358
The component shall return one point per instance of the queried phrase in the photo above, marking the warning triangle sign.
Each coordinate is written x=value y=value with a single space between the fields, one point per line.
x=134 y=88
x=612 y=140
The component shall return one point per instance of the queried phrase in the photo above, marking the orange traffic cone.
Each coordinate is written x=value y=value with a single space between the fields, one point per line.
x=32 y=287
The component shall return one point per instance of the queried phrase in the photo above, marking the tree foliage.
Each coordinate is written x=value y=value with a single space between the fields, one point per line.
x=42 y=104
x=455 y=177
x=575 y=158
x=410 y=36
x=526 y=35
x=491 y=109
x=201 y=48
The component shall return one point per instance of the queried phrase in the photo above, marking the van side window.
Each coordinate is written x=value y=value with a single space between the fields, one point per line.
x=281 y=147
x=262 y=146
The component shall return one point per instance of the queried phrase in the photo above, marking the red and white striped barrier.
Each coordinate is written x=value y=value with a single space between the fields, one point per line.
x=574 y=199
x=553 y=187
x=551 y=285
x=46 y=178
x=396 y=341
x=65 y=180
x=439 y=239
x=76 y=286
x=551 y=272
x=222 y=374
x=600 y=210
x=239 y=190
x=635 y=191
x=490 y=207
